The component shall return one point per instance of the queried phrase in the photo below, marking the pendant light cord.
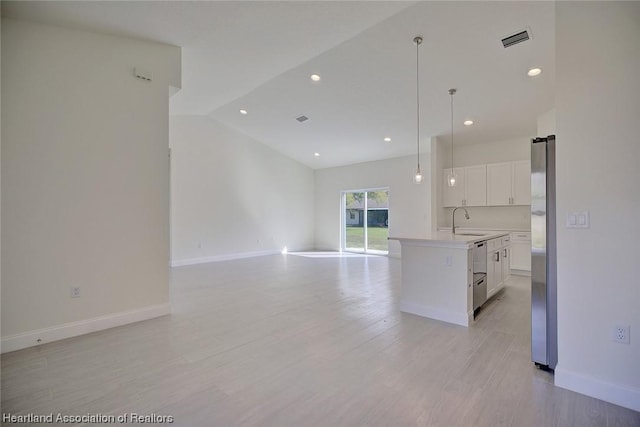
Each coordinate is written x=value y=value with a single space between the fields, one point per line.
x=418 y=41
x=452 y=92
x=452 y=131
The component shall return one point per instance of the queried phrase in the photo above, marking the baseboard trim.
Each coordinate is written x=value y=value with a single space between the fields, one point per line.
x=461 y=319
x=74 y=329
x=218 y=258
x=617 y=394
x=396 y=255
x=521 y=272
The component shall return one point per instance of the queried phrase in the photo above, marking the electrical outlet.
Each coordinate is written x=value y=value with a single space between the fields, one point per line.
x=621 y=334
x=75 y=292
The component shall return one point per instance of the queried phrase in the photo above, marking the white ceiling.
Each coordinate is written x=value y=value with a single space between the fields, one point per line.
x=259 y=55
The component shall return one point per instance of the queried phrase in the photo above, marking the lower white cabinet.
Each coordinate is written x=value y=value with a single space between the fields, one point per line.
x=521 y=251
x=498 y=264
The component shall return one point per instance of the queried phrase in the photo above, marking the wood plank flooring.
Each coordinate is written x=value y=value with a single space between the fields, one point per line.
x=289 y=340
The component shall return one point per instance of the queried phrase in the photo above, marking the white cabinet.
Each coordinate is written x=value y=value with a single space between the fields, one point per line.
x=521 y=251
x=498 y=268
x=506 y=263
x=499 y=184
x=521 y=185
x=494 y=272
x=470 y=188
x=509 y=183
x=475 y=185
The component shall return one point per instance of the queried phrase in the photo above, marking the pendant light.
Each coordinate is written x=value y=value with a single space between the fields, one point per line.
x=417 y=178
x=451 y=177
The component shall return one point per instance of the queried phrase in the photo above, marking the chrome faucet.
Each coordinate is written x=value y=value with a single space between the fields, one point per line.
x=453 y=218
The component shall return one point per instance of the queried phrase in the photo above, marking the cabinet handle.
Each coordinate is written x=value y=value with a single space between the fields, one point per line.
x=497 y=256
x=505 y=253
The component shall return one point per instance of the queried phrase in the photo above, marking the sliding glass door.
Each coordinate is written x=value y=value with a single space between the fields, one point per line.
x=365 y=223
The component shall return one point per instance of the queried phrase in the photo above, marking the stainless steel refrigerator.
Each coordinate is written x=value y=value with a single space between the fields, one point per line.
x=544 y=334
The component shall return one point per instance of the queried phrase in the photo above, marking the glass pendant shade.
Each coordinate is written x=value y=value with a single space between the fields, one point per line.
x=417 y=178
x=451 y=178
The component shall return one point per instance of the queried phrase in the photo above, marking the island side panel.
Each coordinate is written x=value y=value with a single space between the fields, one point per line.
x=432 y=288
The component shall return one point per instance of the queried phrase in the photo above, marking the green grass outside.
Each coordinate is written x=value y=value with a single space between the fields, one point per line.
x=377 y=238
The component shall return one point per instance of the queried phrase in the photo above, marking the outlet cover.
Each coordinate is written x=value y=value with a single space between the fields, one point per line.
x=75 y=292
x=621 y=334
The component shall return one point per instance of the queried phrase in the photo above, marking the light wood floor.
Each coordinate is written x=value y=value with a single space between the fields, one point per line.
x=304 y=341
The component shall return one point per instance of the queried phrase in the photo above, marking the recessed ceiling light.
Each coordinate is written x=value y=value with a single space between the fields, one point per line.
x=468 y=122
x=534 y=72
x=243 y=112
x=387 y=139
x=315 y=77
x=316 y=154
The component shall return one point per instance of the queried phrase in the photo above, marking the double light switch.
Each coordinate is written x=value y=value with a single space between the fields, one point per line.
x=578 y=219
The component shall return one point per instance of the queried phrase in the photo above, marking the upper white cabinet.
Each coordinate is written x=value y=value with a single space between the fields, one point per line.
x=470 y=188
x=499 y=184
x=475 y=185
x=509 y=183
x=521 y=173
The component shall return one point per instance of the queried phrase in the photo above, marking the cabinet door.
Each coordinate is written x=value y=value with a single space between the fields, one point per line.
x=498 y=268
x=499 y=184
x=521 y=256
x=491 y=275
x=506 y=263
x=475 y=185
x=521 y=183
x=494 y=272
x=453 y=196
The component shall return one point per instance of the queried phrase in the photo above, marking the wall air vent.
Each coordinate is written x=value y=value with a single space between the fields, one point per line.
x=302 y=119
x=520 y=36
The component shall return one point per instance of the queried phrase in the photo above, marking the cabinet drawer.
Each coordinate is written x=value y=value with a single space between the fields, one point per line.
x=521 y=236
x=493 y=244
x=505 y=241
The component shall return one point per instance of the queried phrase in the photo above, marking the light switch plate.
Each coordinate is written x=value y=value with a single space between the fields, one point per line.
x=578 y=219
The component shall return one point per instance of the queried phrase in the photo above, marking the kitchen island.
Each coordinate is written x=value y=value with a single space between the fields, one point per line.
x=438 y=274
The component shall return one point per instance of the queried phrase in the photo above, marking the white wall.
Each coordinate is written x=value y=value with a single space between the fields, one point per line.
x=598 y=152
x=547 y=123
x=409 y=203
x=490 y=152
x=509 y=217
x=85 y=190
x=233 y=196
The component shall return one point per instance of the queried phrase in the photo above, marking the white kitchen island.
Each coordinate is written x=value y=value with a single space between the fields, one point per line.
x=437 y=275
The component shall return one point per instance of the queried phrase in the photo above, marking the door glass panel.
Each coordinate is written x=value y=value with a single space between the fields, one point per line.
x=354 y=221
x=377 y=220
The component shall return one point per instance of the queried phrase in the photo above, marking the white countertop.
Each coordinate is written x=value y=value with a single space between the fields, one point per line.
x=486 y=229
x=445 y=239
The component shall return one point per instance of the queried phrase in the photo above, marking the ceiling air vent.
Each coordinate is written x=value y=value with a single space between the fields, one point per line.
x=302 y=119
x=521 y=36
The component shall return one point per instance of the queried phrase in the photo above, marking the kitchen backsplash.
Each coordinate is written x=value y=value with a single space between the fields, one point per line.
x=496 y=217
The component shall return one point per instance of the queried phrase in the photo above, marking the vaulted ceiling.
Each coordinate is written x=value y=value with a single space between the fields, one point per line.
x=258 y=56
